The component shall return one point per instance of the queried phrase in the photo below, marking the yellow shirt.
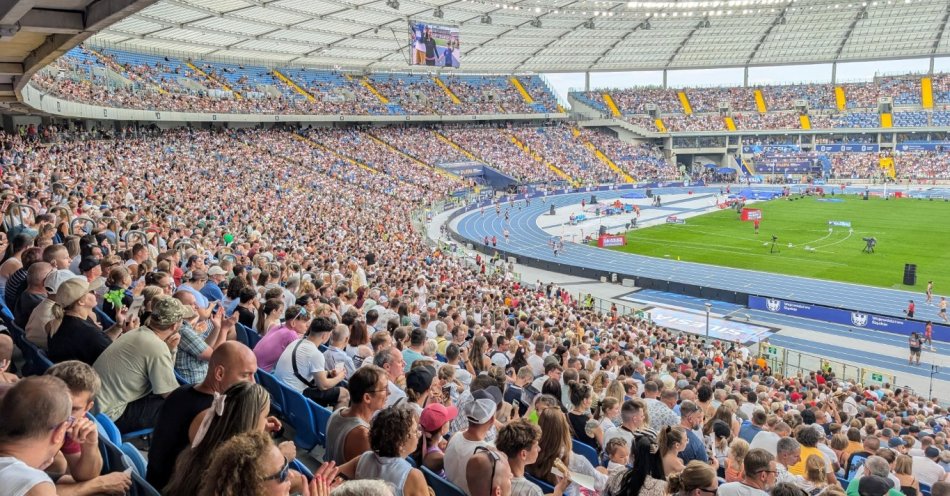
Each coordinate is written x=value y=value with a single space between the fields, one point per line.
x=799 y=468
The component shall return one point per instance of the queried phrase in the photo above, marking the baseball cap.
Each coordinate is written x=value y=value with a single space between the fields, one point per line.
x=874 y=485
x=56 y=278
x=491 y=392
x=434 y=416
x=419 y=379
x=88 y=263
x=216 y=271
x=895 y=442
x=71 y=290
x=168 y=311
x=931 y=452
x=796 y=397
x=480 y=408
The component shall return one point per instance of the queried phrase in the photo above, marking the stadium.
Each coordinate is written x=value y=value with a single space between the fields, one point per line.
x=475 y=247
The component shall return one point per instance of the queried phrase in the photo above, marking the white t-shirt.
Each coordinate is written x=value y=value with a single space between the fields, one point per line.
x=395 y=394
x=740 y=489
x=19 y=478
x=927 y=471
x=457 y=454
x=537 y=365
x=766 y=440
x=309 y=361
x=618 y=432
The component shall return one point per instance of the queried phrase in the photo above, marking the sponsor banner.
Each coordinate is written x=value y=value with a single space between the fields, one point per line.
x=751 y=214
x=608 y=240
x=674 y=220
x=719 y=328
x=849 y=147
x=839 y=223
x=875 y=322
x=923 y=147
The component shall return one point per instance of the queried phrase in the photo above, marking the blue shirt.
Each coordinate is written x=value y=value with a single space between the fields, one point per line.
x=695 y=449
x=212 y=292
x=748 y=431
x=200 y=299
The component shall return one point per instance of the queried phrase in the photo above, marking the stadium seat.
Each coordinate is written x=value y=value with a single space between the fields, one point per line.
x=135 y=456
x=545 y=487
x=924 y=489
x=113 y=433
x=142 y=488
x=273 y=386
x=104 y=320
x=246 y=336
x=441 y=486
x=586 y=451
x=299 y=414
x=321 y=415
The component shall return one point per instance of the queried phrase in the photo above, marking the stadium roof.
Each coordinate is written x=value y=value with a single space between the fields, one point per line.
x=541 y=35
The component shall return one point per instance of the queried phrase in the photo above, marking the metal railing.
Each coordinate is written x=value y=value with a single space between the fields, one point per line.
x=792 y=363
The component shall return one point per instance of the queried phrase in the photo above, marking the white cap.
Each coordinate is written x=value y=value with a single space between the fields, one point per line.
x=57 y=277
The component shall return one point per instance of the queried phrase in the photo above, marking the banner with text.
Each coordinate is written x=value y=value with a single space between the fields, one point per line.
x=848 y=147
x=896 y=325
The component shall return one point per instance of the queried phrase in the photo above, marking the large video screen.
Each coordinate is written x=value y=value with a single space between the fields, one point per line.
x=433 y=45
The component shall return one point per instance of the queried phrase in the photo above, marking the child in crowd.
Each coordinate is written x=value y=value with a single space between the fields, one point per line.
x=618 y=453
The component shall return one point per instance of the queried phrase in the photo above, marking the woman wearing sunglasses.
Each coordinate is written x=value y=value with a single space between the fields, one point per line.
x=250 y=464
x=697 y=479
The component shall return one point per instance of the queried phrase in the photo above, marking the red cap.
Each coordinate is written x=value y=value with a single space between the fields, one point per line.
x=796 y=396
x=434 y=416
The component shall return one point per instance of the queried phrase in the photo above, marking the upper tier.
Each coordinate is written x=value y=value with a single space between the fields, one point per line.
x=120 y=79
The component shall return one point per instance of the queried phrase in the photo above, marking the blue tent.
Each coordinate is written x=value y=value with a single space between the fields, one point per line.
x=725 y=170
x=710 y=166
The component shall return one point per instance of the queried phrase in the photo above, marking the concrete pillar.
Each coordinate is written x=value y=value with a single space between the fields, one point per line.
x=745 y=77
x=587 y=81
x=664 y=79
x=834 y=73
x=930 y=72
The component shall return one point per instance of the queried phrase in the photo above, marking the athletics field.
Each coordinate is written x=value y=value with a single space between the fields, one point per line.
x=907 y=231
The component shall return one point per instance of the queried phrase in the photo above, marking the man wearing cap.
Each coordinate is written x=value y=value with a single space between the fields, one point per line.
x=90 y=267
x=212 y=288
x=302 y=366
x=926 y=469
x=34 y=295
x=193 y=285
x=137 y=370
x=42 y=321
x=479 y=411
x=418 y=382
x=897 y=445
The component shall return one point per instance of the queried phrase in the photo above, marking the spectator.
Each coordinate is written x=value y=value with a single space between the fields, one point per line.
x=390 y=360
x=696 y=479
x=479 y=411
x=759 y=476
x=303 y=367
x=34 y=420
x=434 y=421
x=348 y=428
x=78 y=337
x=335 y=354
x=34 y=295
x=194 y=349
x=6 y=358
x=81 y=449
x=137 y=370
x=269 y=349
x=488 y=465
x=750 y=430
x=691 y=417
x=42 y=325
x=393 y=435
x=230 y=363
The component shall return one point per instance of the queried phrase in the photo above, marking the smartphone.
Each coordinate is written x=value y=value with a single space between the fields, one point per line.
x=516 y=405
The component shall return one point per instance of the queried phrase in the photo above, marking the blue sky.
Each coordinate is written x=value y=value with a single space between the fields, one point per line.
x=815 y=73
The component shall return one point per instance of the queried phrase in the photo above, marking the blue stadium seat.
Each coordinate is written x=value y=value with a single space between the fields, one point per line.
x=247 y=337
x=300 y=415
x=442 y=487
x=586 y=451
x=135 y=456
x=924 y=489
x=273 y=386
x=321 y=415
x=142 y=488
x=113 y=433
x=545 y=487
x=104 y=319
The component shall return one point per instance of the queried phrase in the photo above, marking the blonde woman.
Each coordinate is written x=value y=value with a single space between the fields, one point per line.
x=738 y=449
x=816 y=475
x=697 y=479
x=903 y=469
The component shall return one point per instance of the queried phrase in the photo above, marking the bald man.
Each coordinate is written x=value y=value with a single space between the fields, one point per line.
x=479 y=470
x=230 y=363
x=34 y=295
x=6 y=357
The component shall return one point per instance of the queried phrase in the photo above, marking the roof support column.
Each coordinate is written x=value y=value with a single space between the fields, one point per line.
x=664 y=79
x=930 y=72
x=587 y=80
x=834 y=73
x=745 y=76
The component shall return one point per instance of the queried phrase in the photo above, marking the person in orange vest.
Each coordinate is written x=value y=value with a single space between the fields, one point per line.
x=756 y=224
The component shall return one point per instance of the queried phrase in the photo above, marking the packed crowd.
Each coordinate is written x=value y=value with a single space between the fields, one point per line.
x=770 y=120
x=489 y=382
x=556 y=145
x=494 y=147
x=167 y=84
x=737 y=99
x=642 y=161
x=694 y=122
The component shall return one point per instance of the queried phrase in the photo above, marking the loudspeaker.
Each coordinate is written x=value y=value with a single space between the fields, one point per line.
x=602 y=231
x=593 y=199
x=649 y=193
x=552 y=209
x=910 y=274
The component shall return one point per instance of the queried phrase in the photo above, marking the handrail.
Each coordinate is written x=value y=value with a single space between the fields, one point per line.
x=85 y=221
x=135 y=234
x=16 y=208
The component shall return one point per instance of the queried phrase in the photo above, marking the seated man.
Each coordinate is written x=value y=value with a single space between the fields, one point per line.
x=34 y=419
x=35 y=293
x=303 y=367
x=137 y=370
x=488 y=473
x=81 y=450
x=6 y=358
x=197 y=345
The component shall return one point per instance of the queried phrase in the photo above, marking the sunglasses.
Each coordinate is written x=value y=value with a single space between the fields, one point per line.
x=494 y=461
x=280 y=476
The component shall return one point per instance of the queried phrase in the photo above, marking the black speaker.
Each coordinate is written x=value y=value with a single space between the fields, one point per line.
x=552 y=209
x=910 y=274
x=649 y=193
x=603 y=230
x=593 y=199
